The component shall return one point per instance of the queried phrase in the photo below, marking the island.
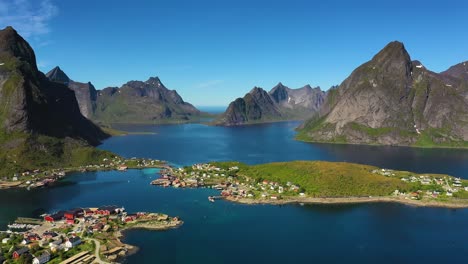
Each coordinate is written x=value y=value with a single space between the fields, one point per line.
x=318 y=182
x=79 y=235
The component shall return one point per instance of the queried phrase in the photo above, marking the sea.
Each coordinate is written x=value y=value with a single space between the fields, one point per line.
x=225 y=232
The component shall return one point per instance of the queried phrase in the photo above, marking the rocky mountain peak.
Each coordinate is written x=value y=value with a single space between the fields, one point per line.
x=393 y=57
x=155 y=81
x=13 y=45
x=57 y=75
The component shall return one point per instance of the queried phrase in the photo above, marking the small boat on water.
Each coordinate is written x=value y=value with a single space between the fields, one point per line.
x=211 y=199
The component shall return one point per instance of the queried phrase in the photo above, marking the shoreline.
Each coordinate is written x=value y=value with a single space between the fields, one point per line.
x=5 y=185
x=349 y=200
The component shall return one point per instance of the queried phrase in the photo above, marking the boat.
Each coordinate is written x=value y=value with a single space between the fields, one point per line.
x=211 y=199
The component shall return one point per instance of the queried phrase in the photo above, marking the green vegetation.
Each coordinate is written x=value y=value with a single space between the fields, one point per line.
x=372 y=132
x=22 y=152
x=324 y=179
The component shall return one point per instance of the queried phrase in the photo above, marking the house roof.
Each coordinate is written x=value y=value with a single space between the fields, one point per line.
x=74 y=239
x=22 y=250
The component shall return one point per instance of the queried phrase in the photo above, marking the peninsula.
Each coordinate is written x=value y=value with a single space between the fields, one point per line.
x=79 y=235
x=319 y=182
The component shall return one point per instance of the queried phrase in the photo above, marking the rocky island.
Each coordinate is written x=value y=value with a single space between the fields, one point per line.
x=319 y=182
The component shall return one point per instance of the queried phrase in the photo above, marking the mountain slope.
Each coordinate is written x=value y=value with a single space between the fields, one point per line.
x=85 y=93
x=281 y=103
x=392 y=100
x=41 y=124
x=142 y=102
x=134 y=102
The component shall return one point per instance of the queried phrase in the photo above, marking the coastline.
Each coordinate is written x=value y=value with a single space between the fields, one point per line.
x=350 y=200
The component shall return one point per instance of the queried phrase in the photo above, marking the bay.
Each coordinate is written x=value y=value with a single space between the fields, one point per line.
x=224 y=232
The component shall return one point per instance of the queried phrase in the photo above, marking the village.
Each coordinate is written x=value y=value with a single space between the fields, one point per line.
x=227 y=180
x=429 y=186
x=38 y=178
x=79 y=235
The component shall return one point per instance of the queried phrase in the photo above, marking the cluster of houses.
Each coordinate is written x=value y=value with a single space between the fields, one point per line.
x=49 y=242
x=225 y=180
x=448 y=184
x=39 y=178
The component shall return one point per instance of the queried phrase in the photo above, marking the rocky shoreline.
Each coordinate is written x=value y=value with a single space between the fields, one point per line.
x=350 y=200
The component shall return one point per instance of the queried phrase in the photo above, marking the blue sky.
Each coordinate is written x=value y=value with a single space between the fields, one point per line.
x=213 y=51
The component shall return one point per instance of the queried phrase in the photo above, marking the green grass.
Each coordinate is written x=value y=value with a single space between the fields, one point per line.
x=32 y=152
x=434 y=137
x=372 y=132
x=325 y=179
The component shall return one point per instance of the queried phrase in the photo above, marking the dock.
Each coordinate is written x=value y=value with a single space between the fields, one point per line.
x=26 y=220
x=82 y=257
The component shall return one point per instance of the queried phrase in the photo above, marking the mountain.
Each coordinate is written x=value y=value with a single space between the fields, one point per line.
x=85 y=93
x=41 y=124
x=134 y=102
x=392 y=100
x=459 y=71
x=142 y=102
x=281 y=103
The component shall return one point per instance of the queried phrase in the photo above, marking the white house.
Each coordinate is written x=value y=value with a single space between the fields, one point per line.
x=72 y=242
x=43 y=258
x=5 y=240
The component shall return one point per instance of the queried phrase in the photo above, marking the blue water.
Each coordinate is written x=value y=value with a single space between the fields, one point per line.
x=224 y=232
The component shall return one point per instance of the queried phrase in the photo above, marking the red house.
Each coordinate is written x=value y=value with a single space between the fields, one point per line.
x=54 y=217
x=17 y=253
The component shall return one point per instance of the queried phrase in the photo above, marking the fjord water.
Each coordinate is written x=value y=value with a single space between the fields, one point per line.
x=224 y=232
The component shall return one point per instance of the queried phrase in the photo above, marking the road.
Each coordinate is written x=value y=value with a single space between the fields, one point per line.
x=96 y=251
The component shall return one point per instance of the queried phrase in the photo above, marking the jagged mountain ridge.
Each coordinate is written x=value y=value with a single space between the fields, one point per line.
x=85 y=93
x=392 y=100
x=281 y=103
x=138 y=101
x=134 y=102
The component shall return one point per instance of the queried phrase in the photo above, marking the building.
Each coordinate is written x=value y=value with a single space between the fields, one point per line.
x=55 y=217
x=72 y=242
x=17 y=253
x=49 y=234
x=43 y=258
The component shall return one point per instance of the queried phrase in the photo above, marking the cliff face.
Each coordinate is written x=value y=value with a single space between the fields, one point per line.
x=281 y=103
x=142 y=102
x=30 y=103
x=40 y=121
x=85 y=93
x=392 y=100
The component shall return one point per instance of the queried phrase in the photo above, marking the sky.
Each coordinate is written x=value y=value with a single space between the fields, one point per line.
x=213 y=51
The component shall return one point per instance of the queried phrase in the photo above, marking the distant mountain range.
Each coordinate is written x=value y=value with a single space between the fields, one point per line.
x=133 y=102
x=392 y=100
x=281 y=103
x=40 y=121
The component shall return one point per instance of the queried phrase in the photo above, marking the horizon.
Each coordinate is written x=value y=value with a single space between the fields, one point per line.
x=225 y=49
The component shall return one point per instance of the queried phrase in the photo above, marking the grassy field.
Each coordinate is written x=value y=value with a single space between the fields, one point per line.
x=328 y=179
